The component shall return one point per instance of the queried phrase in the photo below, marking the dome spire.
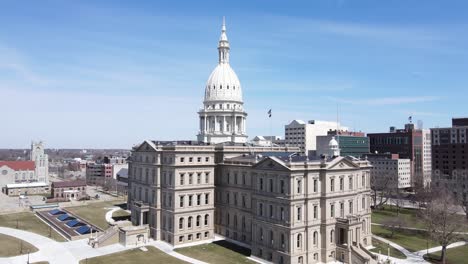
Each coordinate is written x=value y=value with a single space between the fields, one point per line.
x=223 y=45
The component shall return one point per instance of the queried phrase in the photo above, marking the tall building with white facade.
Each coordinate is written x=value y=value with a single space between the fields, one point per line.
x=427 y=157
x=222 y=118
x=284 y=207
x=304 y=135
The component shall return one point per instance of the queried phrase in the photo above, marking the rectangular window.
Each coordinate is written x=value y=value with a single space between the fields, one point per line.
x=350 y=207
x=207 y=159
x=332 y=210
x=182 y=176
x=198 y=178
x=198 y=199
x=181 y=159
x=261 y=184
x=332 y=185
x=190 y=178
x=207 y=177
x=199 y=159
x=282 y=186
x=299 y=186
x=315 y=212
x=341 y=184
x=350 y=183
x=207 y=198
x=271 y=211
x=271 y=185
x=190 y=200
x=181 y=204
x=190 y=159
x=315 y=185
x=299 y=213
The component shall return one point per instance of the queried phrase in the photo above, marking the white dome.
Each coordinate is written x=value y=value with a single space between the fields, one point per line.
x=333 y=142
x=223 y=85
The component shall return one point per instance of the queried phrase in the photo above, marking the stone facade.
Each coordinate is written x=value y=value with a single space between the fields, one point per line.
x=292 y=211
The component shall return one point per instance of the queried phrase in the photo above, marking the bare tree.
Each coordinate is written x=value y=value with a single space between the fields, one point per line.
x=394 y=224
x=380 y=190
x=441 y=218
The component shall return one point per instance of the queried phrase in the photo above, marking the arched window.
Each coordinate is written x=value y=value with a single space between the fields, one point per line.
x=189 y=224
x=198 y=220
x=332 y=234
x=299 y=240
x=206 y=219
x=181 y=223
x=315 y=237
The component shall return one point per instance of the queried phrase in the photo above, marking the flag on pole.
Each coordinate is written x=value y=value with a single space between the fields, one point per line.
x=269 y=113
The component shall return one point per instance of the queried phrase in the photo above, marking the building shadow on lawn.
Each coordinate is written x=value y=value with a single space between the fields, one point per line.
x=231 y=246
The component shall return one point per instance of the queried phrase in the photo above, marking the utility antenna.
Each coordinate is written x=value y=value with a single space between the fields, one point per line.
x=338 y=125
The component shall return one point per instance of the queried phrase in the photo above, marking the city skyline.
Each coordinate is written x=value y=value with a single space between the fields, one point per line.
x=87 y=74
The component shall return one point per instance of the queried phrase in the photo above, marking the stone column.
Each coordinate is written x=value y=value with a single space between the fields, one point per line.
x=234 y=127
x=205 y=128
x=224 y=124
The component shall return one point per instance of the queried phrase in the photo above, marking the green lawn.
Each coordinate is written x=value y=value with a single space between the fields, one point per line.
x=383 y=248
x=12 y=246
x=29 y=222
x=409 y=239
x=409 y=216
x=153 y=255
x=94 y=213
x=454 y=256
x=218 y=252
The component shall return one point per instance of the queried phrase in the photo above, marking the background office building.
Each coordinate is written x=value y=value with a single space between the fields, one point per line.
x=407 y=143
x=304 y=135
x=354 y=144
x=390 y=171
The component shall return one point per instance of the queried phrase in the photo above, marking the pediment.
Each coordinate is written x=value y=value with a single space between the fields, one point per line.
x=342 y=163
x=271 y=163
x=147 y=146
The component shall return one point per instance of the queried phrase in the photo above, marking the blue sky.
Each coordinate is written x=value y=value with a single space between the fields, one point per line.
x=82 y=74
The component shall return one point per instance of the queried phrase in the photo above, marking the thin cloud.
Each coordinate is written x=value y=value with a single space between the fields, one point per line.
x=386 y=100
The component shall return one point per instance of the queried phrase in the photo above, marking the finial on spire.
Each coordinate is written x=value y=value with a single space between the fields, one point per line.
x=224 y=24
x=223 y=45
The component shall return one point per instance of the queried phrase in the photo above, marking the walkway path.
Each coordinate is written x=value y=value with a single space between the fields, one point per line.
x=413 y=257
x=109 y=213
x=410 y=256
x=72 y=252
x=48 y=249
x=439 y=248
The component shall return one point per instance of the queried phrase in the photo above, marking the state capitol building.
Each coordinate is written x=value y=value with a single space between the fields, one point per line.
x=285 y=207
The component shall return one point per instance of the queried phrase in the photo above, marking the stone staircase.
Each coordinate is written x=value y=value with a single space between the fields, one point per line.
x=108 y=237
x=360 y=255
